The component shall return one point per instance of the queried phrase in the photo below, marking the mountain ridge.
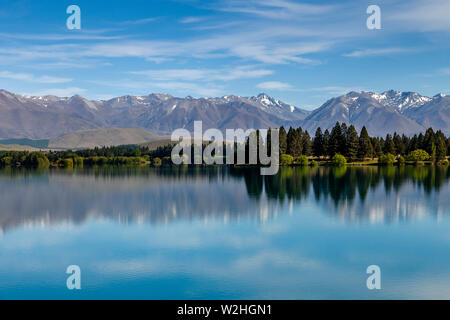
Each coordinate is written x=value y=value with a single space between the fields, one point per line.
x=49 y=116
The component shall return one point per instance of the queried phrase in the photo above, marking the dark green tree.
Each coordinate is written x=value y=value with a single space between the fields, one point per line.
x=336 y=139
x=283 y=141
x=389 y=146
x=318 y=143
x=294 y=143
x=365 y=149
x=326 y=143
x=306 y=144
x=352 y=144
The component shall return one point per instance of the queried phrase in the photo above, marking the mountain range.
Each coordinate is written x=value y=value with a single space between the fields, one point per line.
x=48 y=117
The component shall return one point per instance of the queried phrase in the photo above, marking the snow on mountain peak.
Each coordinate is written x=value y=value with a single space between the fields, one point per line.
x=400 y=101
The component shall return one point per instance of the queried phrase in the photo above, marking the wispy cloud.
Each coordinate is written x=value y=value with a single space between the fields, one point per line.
x=59 y=37
x=139 y=21
x=377 y=52
x=423 y=15
x=275 y=9
x=242 y=72
x=192 y=19
x=274 y=85
x=31 y=78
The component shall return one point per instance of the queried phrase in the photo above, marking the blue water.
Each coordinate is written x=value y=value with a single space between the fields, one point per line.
x=218 y=233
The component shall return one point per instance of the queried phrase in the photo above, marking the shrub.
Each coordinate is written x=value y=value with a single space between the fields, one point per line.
x=418 y=155
x=286 y=159
x=387 y=159
x=6 y=161
x=338 y=160
x=157 y=162
x=443 y=162
x=314 y=163
x=101 y=161
x=65 y=163
x=36 y=160
x=401 y=160
x=303 y=161
x=78 y=161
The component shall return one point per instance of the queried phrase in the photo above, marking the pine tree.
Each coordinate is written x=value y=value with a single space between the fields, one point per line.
x=294 y=144
x=398 y=143
x=389 y=146
x=377 y=150
x=420 y=142
x=318 y=143
x=306 y=144
x=441 y=148
x=428 y=141
x=365 y=146
x=406 y=142
x=352 y=143
x=326 y=143
x=336 y=140
x=283 y=141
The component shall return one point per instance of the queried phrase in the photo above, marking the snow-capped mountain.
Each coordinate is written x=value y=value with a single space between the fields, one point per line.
x=388 y=112
x=50 y=116
x=401 y=101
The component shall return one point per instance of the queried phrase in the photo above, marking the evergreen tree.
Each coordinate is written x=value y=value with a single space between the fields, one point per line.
x=389 y=146
x=365 y=146
x=428 y=141
x=294 y=143
x=326 y=143
x=420 y=142
x=399 y=145
x=336 y=139
x=318 y=143
x=413 y=144
x=406 y=144
x=306 y=144
x=352 y=143
x=376 y=143
x=441 y=148
x=283 y=141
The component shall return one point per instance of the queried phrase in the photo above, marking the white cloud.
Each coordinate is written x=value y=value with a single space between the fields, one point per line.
x=275 y=9
x=376 y=52
x=243 y=72
x=423 y=15
x=274 y=85
x=191 y=19
x=59 y=37
x=31 y=78
x=140 y=21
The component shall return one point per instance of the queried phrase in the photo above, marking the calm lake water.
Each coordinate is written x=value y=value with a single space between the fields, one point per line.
x=223 y=233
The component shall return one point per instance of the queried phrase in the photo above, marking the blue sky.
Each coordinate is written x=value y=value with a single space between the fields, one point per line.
x=302 y=52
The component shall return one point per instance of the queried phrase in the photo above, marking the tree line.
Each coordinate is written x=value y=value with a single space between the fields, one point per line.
x=343 y=144
x=345 y=140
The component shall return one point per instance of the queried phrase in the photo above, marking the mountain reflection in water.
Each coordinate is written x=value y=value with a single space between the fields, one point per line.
x=142 y=195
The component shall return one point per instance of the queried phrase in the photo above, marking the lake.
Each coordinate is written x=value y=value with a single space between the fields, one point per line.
x=225 y=233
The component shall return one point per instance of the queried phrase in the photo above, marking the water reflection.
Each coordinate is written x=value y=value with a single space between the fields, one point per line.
x=374 y=194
